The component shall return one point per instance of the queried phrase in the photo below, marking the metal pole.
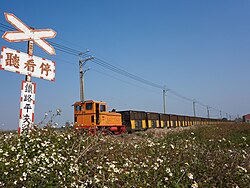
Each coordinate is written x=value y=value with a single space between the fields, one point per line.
x=81 y=81
x=82 y=62
x=194 y=108
x=208 y=112
x=30 y=49
x=164 y=101
x=30 y=52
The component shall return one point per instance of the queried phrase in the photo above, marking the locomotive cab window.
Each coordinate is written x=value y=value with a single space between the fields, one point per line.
x=103 y=108
x=78 y=108
x=89 y=106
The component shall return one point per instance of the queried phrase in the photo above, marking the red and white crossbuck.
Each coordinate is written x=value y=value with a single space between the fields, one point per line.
x=25 y=33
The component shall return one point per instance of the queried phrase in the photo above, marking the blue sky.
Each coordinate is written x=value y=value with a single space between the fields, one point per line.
x=199 y=49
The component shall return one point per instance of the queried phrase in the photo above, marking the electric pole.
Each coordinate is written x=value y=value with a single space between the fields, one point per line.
x=194 y=108
x=82 y=62
x=208 y=115
x=220 y=114
x=164 y=99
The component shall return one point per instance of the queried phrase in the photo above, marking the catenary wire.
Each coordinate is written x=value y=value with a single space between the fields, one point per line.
x=113 y=68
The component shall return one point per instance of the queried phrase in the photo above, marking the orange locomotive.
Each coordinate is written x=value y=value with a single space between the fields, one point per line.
x=93 y=115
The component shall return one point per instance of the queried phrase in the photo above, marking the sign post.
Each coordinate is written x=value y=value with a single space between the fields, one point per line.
x=30 y=52
x=27 y=64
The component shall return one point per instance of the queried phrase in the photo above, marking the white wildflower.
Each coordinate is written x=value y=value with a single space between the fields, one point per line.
x=242 y=169
x=99 y=167
x=159 y=160
x=194 y=185
x=190 y=176
x=150 y=143
x=172 y=146
x=126 y=164
x=96 y=179
x=168 y=170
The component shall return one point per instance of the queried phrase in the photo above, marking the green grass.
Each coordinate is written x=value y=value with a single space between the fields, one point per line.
x=205 y=156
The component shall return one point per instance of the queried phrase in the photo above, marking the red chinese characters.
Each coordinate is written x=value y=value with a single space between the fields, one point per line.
x=45 y=68
x=30 y=65
x=27 y=106
x=12 y=60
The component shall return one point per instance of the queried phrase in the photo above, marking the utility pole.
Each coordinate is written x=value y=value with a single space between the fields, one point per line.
x=220 y=114
x=208 y=112
x=82 y=62
x=164 y=99
x=194 y=108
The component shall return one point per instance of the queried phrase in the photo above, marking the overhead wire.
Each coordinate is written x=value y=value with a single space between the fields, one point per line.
x=7 y=27
x=179 y=95
x=65 y=48
x=107 y=65
x=129 y=83
x=125 y=73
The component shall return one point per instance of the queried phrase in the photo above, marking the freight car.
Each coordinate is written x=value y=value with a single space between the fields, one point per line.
x=93 y=115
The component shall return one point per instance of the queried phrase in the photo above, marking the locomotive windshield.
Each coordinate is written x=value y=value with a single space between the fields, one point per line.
x=78 y=108
x=103 y=108
x=89 y=106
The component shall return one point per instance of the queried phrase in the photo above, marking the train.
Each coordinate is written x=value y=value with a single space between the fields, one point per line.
x=93 y=115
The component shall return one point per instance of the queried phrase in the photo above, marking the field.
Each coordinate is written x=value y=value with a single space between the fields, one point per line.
x=200 y=156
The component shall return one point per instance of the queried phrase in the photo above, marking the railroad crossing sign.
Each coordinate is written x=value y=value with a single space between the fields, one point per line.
x=23 y=63
x=27 y=64
x=25 y=33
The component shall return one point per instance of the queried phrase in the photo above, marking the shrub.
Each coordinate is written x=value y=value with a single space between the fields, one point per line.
x=210 y=156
